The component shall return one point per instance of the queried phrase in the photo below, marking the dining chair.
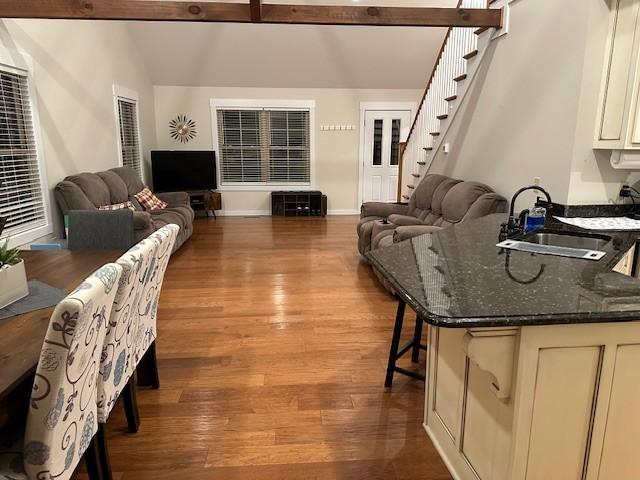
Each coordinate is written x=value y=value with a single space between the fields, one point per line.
x=62 y=422
x=131 y=334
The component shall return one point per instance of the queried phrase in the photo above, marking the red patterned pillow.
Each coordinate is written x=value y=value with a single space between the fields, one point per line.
x=118 y=206
x=148 y=200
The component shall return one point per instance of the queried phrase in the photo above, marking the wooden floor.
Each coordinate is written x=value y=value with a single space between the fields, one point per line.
x=273 y=339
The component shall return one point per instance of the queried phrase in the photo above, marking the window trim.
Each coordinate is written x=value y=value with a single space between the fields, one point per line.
x=251 y=104
x=123 y=93
x=22 y=63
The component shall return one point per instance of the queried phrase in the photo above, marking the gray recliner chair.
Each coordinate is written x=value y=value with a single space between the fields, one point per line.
x=437 y=202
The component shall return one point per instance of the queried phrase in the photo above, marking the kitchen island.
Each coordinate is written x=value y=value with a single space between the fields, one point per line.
x=532 y=368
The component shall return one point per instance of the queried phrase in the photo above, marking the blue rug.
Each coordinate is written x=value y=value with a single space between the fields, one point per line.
x=40 y=296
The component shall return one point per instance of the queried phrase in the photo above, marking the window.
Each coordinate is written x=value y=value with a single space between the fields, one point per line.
x=128 y=129
x=264 y=145
x=23 y=200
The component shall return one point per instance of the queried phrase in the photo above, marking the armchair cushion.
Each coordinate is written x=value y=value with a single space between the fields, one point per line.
x=404 y=220
x=381 y=209
x=404 y=233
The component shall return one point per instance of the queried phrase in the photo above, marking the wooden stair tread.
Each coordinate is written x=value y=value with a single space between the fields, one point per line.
x=434 y=134
x=469 y=55
x=416 y=175
x=451 y=98
x=411 y=186
x=406 y=197
x=428 y=149
x=459 y=78
x=421 y=163
x=481 y=30
x=442 y=117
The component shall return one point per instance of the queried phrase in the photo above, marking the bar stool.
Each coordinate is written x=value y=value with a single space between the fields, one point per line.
x=396 y=352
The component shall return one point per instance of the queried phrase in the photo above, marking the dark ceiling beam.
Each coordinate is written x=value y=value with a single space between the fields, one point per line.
x=381 y=16
x=256 y=12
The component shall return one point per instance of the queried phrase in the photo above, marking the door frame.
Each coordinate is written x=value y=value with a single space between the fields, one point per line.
x=377 y=106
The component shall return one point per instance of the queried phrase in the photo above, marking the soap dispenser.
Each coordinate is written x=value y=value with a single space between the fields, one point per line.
x=534 y=219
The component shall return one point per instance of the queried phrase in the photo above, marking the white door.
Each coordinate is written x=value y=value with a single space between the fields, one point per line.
x=383 y=130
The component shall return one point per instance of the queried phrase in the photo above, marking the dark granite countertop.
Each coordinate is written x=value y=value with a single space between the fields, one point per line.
x=457 y=277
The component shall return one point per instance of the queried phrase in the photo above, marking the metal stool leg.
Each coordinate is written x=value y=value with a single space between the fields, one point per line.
x=395 y=342
x=417 y=337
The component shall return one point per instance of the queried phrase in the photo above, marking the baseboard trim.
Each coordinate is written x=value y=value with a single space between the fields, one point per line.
x=244 y=213
x=346 y=211
x=266 y=213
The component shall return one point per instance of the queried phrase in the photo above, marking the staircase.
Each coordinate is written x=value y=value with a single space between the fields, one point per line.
x=456 y=66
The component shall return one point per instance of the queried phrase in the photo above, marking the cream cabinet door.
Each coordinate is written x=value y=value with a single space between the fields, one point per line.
x=618 y=106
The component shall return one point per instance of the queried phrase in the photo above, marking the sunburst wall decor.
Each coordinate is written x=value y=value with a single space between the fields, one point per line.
x=182 y=129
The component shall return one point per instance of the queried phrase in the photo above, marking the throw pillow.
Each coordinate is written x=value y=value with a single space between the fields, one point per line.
x=118 y=206
x=148 y=200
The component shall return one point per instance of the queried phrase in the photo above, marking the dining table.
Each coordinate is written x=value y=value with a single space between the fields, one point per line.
x=21 y=336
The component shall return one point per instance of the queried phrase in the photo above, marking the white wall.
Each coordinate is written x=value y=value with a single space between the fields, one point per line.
x=76 y=64
x=336 y=151
x=531 y=110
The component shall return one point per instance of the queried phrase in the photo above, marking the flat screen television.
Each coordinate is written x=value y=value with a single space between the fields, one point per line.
x=183 y=170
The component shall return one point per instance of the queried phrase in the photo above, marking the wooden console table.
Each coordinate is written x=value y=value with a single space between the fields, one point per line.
x=206 y=201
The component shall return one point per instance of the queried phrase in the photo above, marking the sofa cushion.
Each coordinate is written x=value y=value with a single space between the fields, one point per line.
x=404 y=220
x=185 y=211
x=420 y=202
x=93 y=187
x=434 y=217
x=117 y=187
x=459 y=200
x=149 y=201
x=71 y=197
x=130 y=178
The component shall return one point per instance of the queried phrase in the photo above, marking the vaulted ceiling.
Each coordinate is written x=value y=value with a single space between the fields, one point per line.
x=290 y=56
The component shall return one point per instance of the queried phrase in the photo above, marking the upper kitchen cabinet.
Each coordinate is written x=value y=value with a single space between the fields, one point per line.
x=618 y=120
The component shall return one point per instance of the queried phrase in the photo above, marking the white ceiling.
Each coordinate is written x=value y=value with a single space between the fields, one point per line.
x=290 y=56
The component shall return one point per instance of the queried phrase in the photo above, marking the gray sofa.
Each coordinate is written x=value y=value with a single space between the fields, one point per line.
x=88 y=191
x=437 y=202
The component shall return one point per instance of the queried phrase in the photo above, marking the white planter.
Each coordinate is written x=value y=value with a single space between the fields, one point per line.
x=13 y=284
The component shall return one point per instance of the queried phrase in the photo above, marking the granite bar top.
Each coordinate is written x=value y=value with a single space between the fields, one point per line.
x=457 y=277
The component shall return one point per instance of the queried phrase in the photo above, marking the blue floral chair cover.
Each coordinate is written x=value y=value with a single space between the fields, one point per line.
x=62 y=418
x=131 y=326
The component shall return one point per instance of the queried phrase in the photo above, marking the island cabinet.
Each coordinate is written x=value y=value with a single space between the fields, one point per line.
x=536 y=402
x=533 y=369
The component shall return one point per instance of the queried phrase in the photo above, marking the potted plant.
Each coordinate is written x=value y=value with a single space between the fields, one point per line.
x=13 y=278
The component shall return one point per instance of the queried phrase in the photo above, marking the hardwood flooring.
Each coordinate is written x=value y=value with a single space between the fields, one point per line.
x=273 y=340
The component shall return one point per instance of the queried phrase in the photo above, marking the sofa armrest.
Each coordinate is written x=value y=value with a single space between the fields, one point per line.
x=174 y=198
x=407 y=232
x=101 y=229
x=381 y=209
x=142 y=221
x=402 y=220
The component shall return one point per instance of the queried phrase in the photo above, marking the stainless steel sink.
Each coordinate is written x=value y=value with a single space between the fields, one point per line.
x=569 y=240
x=562 y=244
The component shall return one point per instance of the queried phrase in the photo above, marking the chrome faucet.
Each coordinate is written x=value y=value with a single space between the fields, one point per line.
x=515 y=225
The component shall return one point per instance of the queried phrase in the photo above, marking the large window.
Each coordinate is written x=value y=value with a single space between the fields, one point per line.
x=22 y=197
x=263 y=143
x=128 y=128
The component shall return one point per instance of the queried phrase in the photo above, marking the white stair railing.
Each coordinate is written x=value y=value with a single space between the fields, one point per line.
x=456 y=66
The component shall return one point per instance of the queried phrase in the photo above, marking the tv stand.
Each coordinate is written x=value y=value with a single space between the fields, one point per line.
x=205 y=201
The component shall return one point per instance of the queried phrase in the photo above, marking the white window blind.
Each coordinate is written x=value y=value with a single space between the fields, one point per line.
x=264 y=146
x=129 y=135
x=21 y=196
